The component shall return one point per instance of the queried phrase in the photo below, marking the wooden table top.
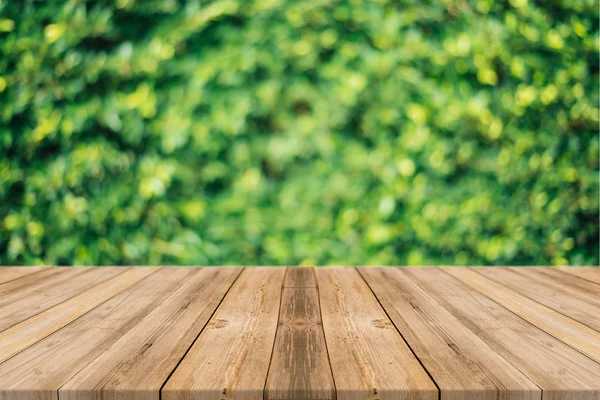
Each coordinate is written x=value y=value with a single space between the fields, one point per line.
x=299 y=333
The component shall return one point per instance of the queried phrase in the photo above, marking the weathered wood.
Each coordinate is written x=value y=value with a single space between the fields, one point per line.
x=463 y=366
x=571 y=332
x=230 y=359
x=11 y=273
x=30 y=331
x=591 y=274
x=38 y=372
x=577 y=307
x=144 y=357
x=300 y=277
x=369 y=358
x=562 y=372
x=30 y=283
x=300 y=333
x=28 y=304
x=299 y=364
x=556 y=278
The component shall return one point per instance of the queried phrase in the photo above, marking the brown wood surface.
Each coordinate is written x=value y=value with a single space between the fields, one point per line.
x=142 y=359
x=24 y=305
x=526 y=281
x=464 y=366
x=558 y=369
x=299 y=365
x=591 y=274
x=299 y=333
x=567 y=330
x=369 y=358
x=9 y=274
x=231 y=357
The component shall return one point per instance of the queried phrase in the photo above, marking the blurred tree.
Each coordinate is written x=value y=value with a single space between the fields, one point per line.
x=314 y=132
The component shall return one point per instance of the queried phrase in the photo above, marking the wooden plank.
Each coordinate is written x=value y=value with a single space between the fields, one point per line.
x=369 y=358
x=463 y=366
x=556 y=278
x=38 y=372
x=300 y=277
x=143 y=358
x=26 y=333
x=231 y=357
x=20 y=308
x=561 y=327
x=526 y=282
x=30 y=283
x=299 y=365
x=591 y=274
x=11 y=273
x=559 y=370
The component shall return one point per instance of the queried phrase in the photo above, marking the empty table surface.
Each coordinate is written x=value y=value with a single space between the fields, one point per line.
x=299 y=333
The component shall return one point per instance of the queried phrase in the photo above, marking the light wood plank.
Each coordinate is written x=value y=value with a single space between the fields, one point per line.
x=30 y=283
x=26 y=333
x=463 y=366
x=369 y=358
x=142 y=359
x=591 y=274
x=38 y=372
x=526 y=282
x=299 y=365
x=556 y=278
x=575 y=334
x=11 y=273
x=26 y=305
x=560 y=371
x=231 y=357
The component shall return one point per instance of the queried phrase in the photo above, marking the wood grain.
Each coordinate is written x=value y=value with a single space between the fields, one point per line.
x=560 y=371
x=591 y=274
x=299 y=365
x=11 y=273
x=369 y=358
x=463 y=366
x=555 y=278
x=28 y=332
x=526 y=282
x=300 y=278
x=143 y=358
x=30 y=283
x=38 y=372
x=571 y=332
x=19 y=308
x=230 y=359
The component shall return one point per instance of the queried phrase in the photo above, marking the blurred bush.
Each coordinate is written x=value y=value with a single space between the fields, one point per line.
x=312 y=132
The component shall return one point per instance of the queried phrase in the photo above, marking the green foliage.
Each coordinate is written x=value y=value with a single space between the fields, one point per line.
x=299 y=132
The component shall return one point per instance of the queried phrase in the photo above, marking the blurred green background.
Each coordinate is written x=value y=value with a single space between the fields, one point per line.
x=299 y=132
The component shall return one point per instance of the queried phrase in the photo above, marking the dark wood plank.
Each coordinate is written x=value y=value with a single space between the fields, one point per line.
x=143 y=358
x=463 y=366
x=38 y=372
x=230 y=359
x=299 y=366
x=567 y=330
x=369 y=359
x=300 y=277
x=562 y=372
